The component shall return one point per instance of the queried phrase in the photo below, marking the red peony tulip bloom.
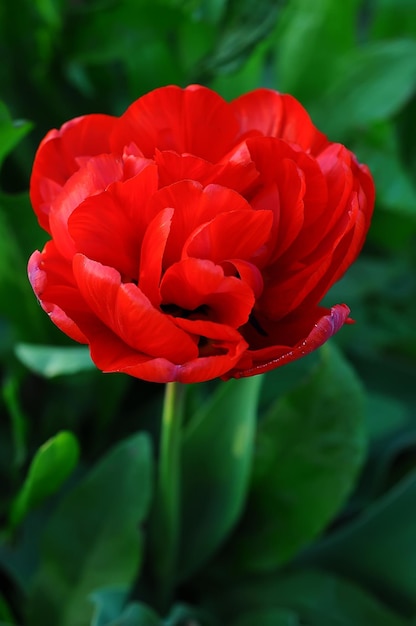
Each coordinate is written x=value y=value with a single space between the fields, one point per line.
x=193 y=238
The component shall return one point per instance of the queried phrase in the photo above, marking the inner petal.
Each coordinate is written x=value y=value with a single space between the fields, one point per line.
x=198 y=289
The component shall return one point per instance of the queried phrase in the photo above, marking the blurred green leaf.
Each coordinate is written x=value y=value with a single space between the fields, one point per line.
x=245 y=24
x=10 y=392
x=216 y=462
x=393 y=19
x=379 y=148
x=51 y=466
x=267 y=617
x=377 y=549
x=17 y=302
x=249 y=76
x=372 y=83
x=11 y=132
x=385 y=415
x=111 y=610
x=6 y=617
x=93 y=539
x=319 y=599
x=310 y=38
x=51 y=361
x=310 y=447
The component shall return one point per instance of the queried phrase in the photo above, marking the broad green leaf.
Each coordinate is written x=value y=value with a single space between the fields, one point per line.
x=11 y=132
x=378 y=549
x=50 y=467
x=373 y=83
x=216 y=463
x=310 y=447
x=93 y=539
x=316 y=597
x=51 y=361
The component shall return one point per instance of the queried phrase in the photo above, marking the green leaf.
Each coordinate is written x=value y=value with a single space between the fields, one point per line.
x=373 y=82
x=93 y=539
x=309 y=450
x=137 y=614
x=50 y=467
x=6 y=617
x=216 y=462
x=51 y=361
x=316 y=597
x=379 y=148
x=111 y=610
x=378 y=549
x=11 y=132
x=267 y=617
x=14 y=284
x=310 y=38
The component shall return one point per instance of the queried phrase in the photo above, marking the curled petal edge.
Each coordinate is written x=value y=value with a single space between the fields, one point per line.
x=324 y=329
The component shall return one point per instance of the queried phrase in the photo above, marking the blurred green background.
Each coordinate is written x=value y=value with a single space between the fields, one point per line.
x=352 y=64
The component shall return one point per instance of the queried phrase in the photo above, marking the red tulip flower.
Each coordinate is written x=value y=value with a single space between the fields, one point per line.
x=193 y=238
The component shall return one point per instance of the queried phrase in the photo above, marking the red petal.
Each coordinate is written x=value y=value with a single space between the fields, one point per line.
x=277 y=115
x=153 y=249
x=237 y=172
x=193 y=206
x=51 y=280
x=263 y=360
x=56 y=157
x=193 y=283
x=109 y=227
x=232 y=235
x=129 y=314
x=92 y=179
x=194 y=120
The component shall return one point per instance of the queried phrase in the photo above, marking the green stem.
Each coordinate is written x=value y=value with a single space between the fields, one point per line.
x=168 y=494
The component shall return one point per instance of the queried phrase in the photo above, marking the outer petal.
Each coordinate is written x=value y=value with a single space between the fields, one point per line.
x=109 y=227
x=277 y=115
x=51 y=280
x=110 y=354
x=56 y=158
x=194 y=120
x=129 y=314
x=263 y=360
x=93 y=178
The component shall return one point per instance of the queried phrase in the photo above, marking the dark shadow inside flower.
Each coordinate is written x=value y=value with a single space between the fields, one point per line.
x=257 y=326
x=208 y=347
x=200 y=312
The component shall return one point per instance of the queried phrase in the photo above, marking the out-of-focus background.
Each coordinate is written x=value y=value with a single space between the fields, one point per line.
x=352 y=64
